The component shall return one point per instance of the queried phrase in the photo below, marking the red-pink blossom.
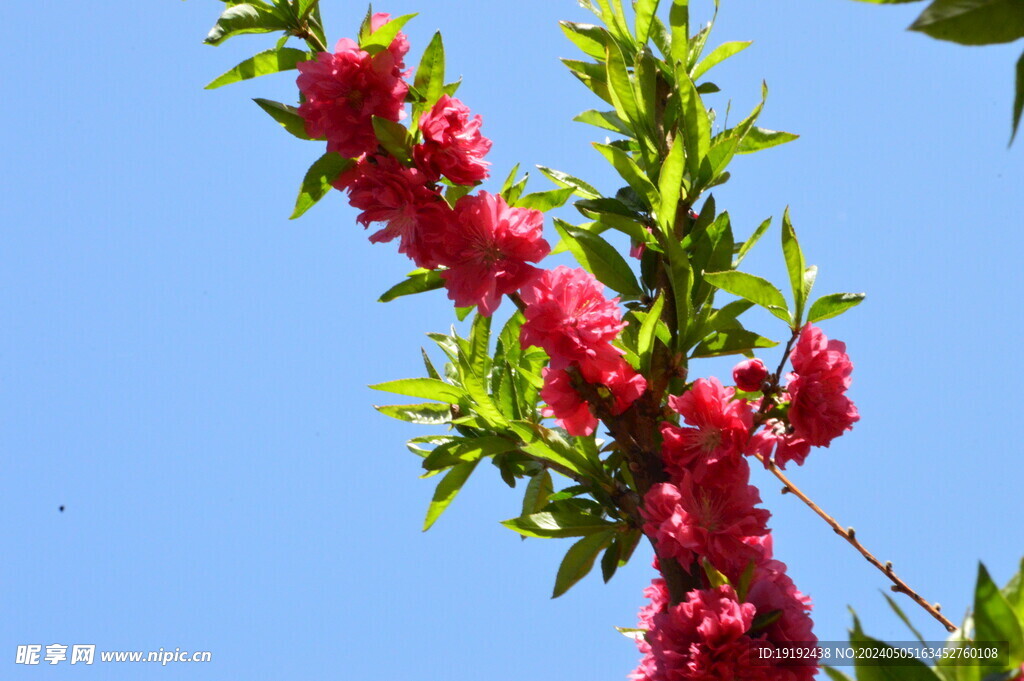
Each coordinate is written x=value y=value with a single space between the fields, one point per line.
x=819 y=409
x=568 y=316
x=342 y=93
x=386 y=192
x=608 y=369
x=570 y=410
x=777 y=437
x=720 y=428
x=704 y=638
x=452 y=144
x=773 y=593
x=749 y=375
x=488 y=247
x=690 y=521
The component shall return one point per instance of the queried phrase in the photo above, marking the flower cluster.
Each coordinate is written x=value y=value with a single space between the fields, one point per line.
x=485 y=246
x=706 y=518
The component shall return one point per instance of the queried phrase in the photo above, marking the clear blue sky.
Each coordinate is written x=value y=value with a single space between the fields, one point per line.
x=185 y=369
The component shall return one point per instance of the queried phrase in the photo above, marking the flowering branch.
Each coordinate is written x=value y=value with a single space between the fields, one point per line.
x=850 y=536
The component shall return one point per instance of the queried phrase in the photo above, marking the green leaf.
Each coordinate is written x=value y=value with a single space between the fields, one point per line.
x=755 y=289
x=749 y=243
x=244 y=18
x=757 y=139
x=1014 y=592
x=547 y=525
x=537 y=492
x=670 y=183
x=579 y=560
x=394 y=137
x=545 y=201
x=430 y=413
x=973 y=22
x=679 y=20
x=589 y=38
x=601 y=259
x=717 y=56
x=620 y=86
x=566 y=180
x=467 y=450
x=833 y=305
x=648 y=333
x=835 y=674
x=450 y=485
x=867 y=652
x=304 y=7
x=418 y=281
x=610 y=560
x=426 y=388
x=732 y=342
x=430 y=75
x=795 y=265
x=903 y=617
x=995 y=619
x=631 y=173
x=546 y=445
x=287 y=116
x=382 y=38
x=608 y=120
x=319 y=180
x=271 y=61
x=646 y=11
x=1018 y=98
x=696 y=126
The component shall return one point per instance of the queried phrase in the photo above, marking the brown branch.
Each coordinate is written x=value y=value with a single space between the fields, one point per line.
x=849 y=535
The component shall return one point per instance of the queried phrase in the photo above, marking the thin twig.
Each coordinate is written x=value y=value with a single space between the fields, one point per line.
x=849 y=535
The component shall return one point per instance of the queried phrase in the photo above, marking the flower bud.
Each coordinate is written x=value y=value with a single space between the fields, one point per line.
x=750 y=374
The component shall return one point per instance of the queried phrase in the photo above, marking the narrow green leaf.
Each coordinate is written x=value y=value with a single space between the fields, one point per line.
x=696 y=126
x=547 y=525
x=394 y=137
x=547 y=200
x=973 y=22
x=271 y=61
x=995 y=619
x=648 y=333
x=755 y=289
x=418 y=281
x=287 y=116
x=430 y=413
x=757 y=139
x=732 y=342
x=833 y=305
x=244 y=18
x=304 y=7
x=608 y=120
x=382 y=38
x=867 y=652
x=566 y=180
x=1014 y=592
x=510 y=180
x=426 y=388
x=670 y=184
x=579 y=560
x=1018 y=98
x=749 y=243
x=631 y=173
x=429 y=78
x=620 y=86
x=450 y=485
x=646 y=11
x=547 y=445
x=319 y=180
x=610 y=560
x=601 y=259
x=592 y=40
x=679 y=20
x=537 y=492
x=795 y=265
x=903 y=617
x=717 y=56
x=835 y=674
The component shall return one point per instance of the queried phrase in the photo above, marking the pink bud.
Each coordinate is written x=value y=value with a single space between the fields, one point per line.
x=750 y=374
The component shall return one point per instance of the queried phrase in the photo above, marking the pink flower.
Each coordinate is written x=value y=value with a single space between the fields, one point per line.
x=691 y=521
x=773 y=593
x=399 y=47
x=452 y=144
x=389 y=193
x=569 y=317
x=720 y=428
x=704 y=638
x=344 y=90
x=614 y=373
x=565 y=404
x=819 y=409
x=486 y=249
x=749 y=375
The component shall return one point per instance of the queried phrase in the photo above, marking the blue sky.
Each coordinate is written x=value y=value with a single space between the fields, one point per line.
x=184 y=369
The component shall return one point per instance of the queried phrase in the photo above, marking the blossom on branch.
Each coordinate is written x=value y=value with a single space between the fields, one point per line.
x=452 y=144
